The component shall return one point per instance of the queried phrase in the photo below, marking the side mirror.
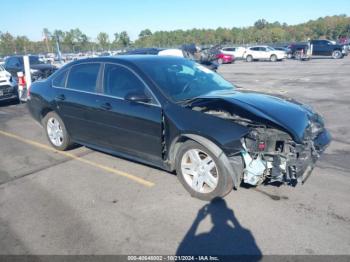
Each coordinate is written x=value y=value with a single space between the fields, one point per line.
x=137 y=97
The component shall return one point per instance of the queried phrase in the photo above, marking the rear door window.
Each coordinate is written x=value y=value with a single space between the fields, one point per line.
x=84 y=77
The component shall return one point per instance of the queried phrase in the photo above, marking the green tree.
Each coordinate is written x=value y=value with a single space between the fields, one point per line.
x=124 y=39
x=103 y=40
x=145 y=33
x=22 y=44
x=7 y=44
x=260 y=24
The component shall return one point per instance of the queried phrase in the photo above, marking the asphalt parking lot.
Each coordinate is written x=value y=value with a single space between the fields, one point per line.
x=87 y=202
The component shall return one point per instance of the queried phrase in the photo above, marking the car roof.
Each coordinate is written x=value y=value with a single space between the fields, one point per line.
x=20 y=56
x=147 y=50
x=133 y=60
x=259 y=46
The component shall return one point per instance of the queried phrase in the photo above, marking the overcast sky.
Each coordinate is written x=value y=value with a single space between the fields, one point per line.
x=29 y=17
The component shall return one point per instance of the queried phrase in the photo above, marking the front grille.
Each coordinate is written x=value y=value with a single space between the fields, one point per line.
x=6 y=89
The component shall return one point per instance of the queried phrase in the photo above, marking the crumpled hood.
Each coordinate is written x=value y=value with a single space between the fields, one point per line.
x=287 y=114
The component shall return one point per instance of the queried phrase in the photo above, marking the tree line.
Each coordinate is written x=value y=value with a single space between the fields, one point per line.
x=74 y=40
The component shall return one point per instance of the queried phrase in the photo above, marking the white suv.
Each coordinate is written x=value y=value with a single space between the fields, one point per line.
x=8 y=87
x=263 y=53
x=237 y=52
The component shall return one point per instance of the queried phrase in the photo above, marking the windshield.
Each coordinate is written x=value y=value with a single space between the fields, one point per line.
x=182 y=79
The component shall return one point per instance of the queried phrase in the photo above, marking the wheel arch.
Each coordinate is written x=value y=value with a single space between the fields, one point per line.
x=213 y=147
x=274 y=55
x=44 y=111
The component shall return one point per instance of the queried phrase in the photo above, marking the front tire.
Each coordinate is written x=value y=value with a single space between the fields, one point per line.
x=202 y=174
x=56 y=131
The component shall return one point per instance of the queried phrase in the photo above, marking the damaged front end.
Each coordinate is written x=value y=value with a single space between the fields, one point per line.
x=271 y=155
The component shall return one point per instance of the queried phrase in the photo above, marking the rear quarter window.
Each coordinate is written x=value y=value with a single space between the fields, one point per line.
x=60 y=79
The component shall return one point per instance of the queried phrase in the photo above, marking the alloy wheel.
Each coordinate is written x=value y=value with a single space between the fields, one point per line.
x=54 y=131
x=199 y=171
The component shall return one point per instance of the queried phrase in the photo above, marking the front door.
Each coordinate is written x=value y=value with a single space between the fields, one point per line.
x=134 y=128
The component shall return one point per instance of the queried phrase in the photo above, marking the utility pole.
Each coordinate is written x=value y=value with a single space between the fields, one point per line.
x=59 y=55
x=46 y=32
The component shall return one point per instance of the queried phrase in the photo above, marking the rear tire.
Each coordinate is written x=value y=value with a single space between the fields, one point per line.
x=297 y=55
x=249 y=58
x=273 y=58
x=194 y=175
x=337 y=54
x=220 y=61
x=56 y=132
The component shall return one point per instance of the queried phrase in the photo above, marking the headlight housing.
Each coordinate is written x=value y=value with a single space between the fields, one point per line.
x=316 y=126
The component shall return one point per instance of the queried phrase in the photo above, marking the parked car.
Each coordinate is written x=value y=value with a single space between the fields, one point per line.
x=38 y=69
x=143 y=51
x=206 y=56
x=263 y=53
x=320 y=48
x=190 y=51
x=8 y=86
x=224 y=58
x=237 y=52
x=284 y=49
x=178 y=115
x=171 y=52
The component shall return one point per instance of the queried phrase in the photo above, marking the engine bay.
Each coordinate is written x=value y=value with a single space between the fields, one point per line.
x=271 y=155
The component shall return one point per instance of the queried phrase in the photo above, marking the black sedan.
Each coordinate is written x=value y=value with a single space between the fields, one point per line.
x=178 y=115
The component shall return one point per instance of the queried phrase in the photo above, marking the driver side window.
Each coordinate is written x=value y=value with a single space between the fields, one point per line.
x=118 y=81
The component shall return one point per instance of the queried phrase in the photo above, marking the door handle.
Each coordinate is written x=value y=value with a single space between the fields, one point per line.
x=60 y=97
x=106 y=106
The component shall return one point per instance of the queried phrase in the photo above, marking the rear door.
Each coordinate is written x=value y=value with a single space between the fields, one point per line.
x=319 y=47
x=264 y=53
x=255 y=52
x=76 y=100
